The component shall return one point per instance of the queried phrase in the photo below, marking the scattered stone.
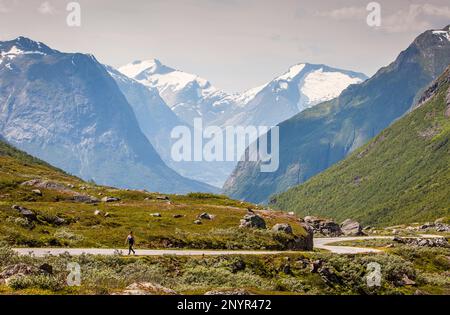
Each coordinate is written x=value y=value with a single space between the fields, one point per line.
x=97 y=212
x=45 y=184
x=236 y=292
x=291 y=213
x=37 y=192
x=20 y=269
x=107 y=215
x=315 y=266
x=156 y=215
x=146 y=288
x=198 y=222
x=110 y=199
x=178 y=216
x=84 y=199
x=351 y=228
x=46 y=269
x=406 y=281
x=206 y=216
x=253 y=221
x=441 y=227
x=283 y=228
x=423 y=242
x=27 y=213
x=166 y=198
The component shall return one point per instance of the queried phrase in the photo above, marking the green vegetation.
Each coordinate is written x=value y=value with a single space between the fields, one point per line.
x=173 y=227
x=402 y=176
x=279 y=274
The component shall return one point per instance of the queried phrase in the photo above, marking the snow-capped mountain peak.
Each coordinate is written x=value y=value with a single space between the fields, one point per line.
x=22 y=45
x=188 y=95
x=292 y=72
x=444 y=34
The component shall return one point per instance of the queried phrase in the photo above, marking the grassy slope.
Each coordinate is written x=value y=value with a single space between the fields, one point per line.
x=133 y=212
x=401 y=176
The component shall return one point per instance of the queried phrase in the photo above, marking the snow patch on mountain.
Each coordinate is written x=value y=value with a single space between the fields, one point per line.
x=320 y=86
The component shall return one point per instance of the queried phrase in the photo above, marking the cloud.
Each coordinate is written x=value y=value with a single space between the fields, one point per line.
x=416 y=17
x=5 y=6
x=46 y=8
x=347 y=13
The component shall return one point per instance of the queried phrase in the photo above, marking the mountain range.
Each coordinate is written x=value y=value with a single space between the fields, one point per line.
x=409 y=160
x=190 y=96
x=319 y=137
x=67 y=110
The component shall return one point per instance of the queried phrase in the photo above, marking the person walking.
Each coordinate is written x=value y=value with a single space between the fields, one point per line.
x=130 y=242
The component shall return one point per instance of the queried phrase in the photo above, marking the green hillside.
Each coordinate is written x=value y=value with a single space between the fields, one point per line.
x=66 y=206
x=401 y=176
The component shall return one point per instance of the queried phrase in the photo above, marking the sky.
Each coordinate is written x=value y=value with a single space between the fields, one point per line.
x=235 y=44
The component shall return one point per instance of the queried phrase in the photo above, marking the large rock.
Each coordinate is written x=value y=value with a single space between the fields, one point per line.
x=206 y=216
x=282 y=227
x=423 y=242
x=229 y=292
x=309 y=238
x=146 y=288
x=27 y=213
x=323 y=226
x=110 y=199
x=20 y=269
x=253 y=221
x=351 y=228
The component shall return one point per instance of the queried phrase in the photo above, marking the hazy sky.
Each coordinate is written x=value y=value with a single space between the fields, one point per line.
x=236 y=44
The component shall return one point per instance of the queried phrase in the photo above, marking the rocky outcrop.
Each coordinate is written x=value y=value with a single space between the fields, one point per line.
x=253 y=221
x=282 y=228
x=146 y=288
x=229 y=292
x=423 y=242
x=323 y=226
x=351 y=228
x=205 y=216
x=110 y=199
x=27 y=213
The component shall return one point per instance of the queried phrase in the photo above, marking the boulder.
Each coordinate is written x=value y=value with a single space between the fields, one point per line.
x=205 y=216
x=20 y=269
x=423 y=242
x=351 y=228
x=198 y=222
x=165 y=198
x=45 y=184
x=84 y=199
x=253 y=221
x=146 y=288
x=178 y=216
x=37 y=192
x=236 y=292
x=309 y=238
x=156 y=215
x=97 y=212
x=323 y=226
x=46 y=269
x=282 y=227
x=110 y=199
x=27 y=213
